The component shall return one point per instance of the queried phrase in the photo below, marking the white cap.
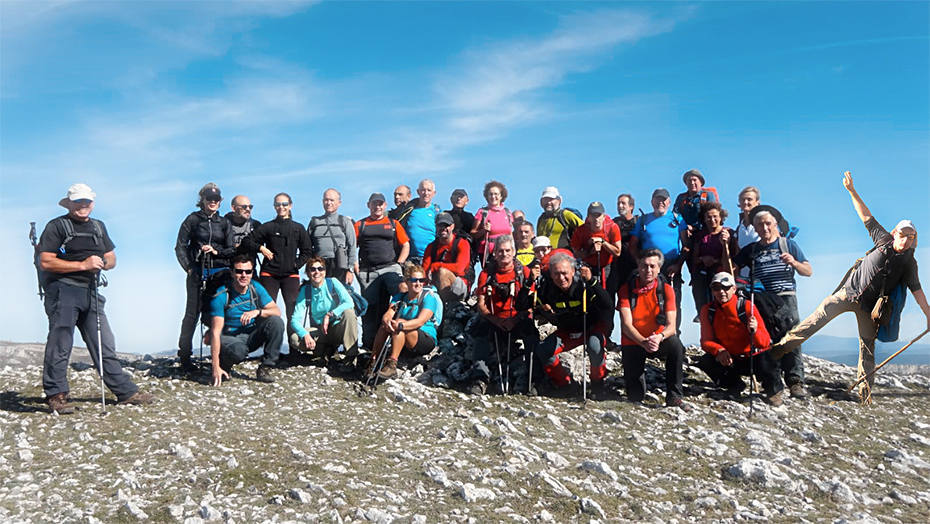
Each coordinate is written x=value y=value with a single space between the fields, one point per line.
x=904 y=224
x=551 y=192
x=724 y=279
x=541 y=241
x=78 y=192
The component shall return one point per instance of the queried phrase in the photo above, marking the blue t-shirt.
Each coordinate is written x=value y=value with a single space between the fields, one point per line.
x=238 y=304
x=775 y=275
x=410 y=310
x=421 y=228
x=662 y=233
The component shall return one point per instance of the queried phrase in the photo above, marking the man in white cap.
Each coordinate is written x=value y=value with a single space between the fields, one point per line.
x=886 y=266
x=556 y=222
x=73 y=249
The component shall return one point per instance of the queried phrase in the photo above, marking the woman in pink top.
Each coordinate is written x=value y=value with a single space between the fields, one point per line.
x=492 y=220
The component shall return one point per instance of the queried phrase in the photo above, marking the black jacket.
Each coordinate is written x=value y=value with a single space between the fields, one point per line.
x=567 y=313
x=287 y=240
x=198 y=230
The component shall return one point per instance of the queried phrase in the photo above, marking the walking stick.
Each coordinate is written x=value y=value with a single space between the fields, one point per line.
x=898 y=352
x=584 y=345
x=529 y=380
x=497 y=349
x=726 y=253
x=205 y=270
x=752 y=347
x=103 y=398
x=372 y=381
x=35 y=258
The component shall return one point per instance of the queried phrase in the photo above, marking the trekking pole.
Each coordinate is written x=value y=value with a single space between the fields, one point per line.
x=513 y=288
x=103 y=398
x=205 y=268
x=35 y=258
x=497 y=349
x=726 y=253
x=372 y=381
x=898 y=352
x=529 y=380
x=584 y=345
x=752 y=348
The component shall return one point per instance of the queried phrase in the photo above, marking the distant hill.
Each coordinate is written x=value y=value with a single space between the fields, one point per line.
x=845 y=350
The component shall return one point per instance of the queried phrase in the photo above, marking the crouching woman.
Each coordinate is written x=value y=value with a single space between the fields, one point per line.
x=409 y=324
x=324 y=316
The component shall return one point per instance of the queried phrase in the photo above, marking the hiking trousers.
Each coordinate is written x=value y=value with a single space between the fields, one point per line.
x=289 y=286
x=377 y=286
x=829 y=309
x=634 y=368
x=67 y=307
x=267 y=332
x=729 y=377
x=344 y=333
x=491 y=347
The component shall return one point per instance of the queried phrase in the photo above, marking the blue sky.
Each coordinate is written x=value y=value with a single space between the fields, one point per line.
x=147 y=101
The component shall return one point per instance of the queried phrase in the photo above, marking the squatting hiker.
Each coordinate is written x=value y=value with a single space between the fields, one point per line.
x=333 y=238
x=773 y=262
x=647 y=316
x=579 y=309
x=730 y=327
x=491 y=221
x=402 y=202
x=556 y=222
x=887 y=266
x=713 y=249
x=324 y=318
x=383 y=248
x=203 y=248
x=447 y=261
x=523 y=242
x=504 y=306
x=663 y=230
x=285 y=245
x=464 y=220
x=420 y=221
x=244 y=318
x=409 y=324
x=73 y=250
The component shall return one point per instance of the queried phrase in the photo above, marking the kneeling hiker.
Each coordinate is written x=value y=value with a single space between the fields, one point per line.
x=324 y=317
x=647 y=322
x=889 y=265
x=504 y=304
x=732 y=332
x=580 y=309
x=244 y=318
x=410 y=323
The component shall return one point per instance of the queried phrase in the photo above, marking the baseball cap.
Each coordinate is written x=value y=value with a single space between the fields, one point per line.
x=459 y=193
x=444 y=219
x=541 y=241
x=596 y=208
x=661 y=192
x=905 y=224
x=551 y=192
x=376 y=197
x=724 y=279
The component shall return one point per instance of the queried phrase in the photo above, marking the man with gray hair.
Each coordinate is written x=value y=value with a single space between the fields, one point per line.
x=888 y=266
x=773 y=261
x=420 y=222
x=332 y=237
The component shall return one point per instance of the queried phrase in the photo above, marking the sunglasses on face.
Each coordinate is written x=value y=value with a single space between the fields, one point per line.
x=317 y=269
x=243 y=271
x=245 y=206
x=414 y=280
x=213 y=199
x=281 y=204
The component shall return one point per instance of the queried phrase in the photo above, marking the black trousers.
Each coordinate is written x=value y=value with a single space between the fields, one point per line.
x=730 y=377
x=191 y=311
x=289 y=287
x=634 y=368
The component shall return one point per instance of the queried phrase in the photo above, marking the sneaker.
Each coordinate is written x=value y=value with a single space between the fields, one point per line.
x=138 y=399
x=798 y=390
x=776 y=399
x=59 y=404
x=263 y=374
x=478 y=387
x=389 y=369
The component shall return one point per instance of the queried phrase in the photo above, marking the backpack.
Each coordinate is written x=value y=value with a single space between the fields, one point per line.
x=568 y=229
x=358 y=301
x=661 y=318
x=211 y=289
x=66 y=224
x=740 y=310
x=453 y=251
x=361 y=228
x=520 y=290
x=340 y=253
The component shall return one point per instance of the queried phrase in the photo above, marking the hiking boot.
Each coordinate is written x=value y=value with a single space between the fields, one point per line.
x=798 y=390
x=776 y=399
x=600 y=391
x=138 y=399
x=677 y=402
x=736 y=390
x=187 y=364
x=263 y=374
x=59 y=404
x=478 y=387
x=389 y=369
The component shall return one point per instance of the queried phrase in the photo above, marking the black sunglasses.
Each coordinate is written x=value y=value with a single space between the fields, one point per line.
x=281 y=204
x=243 y=271
x=245 y=206
x=316 y=269
x=413 y=280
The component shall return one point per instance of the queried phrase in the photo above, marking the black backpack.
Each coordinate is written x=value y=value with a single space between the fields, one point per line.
x=453 y=252
x=212 y=290
x=70 y=234
x=740 y=310
x=521 y=291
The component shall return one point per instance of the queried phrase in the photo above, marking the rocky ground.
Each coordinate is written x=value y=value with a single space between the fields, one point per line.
x=315 y=447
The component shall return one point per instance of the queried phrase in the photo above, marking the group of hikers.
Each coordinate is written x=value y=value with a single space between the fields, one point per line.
x=414 y=262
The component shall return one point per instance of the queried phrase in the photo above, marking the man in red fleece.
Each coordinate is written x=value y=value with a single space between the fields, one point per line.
x=731 y=329
x=447 y=261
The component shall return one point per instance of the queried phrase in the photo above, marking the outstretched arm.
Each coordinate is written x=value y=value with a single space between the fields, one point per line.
x=861 y=209
x=922 y=302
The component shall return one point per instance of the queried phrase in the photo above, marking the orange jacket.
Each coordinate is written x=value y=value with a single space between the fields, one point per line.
x=728 y=332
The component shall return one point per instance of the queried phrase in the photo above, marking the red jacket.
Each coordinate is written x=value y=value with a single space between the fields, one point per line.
x=728 y=332
x=438 y=255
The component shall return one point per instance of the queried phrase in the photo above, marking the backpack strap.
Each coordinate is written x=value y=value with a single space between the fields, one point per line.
x=66 y=224
x=253 y=297
x=332 y=291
